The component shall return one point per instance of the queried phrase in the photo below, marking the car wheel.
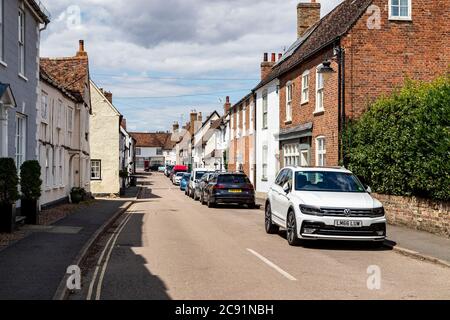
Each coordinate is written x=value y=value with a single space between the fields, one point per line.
x=202 y=199
x=251 y=205
x=291 y=232
x=210 y=203
x=271 y=228
x=195 y=196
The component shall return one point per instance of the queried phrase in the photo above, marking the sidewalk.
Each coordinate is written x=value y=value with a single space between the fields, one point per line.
x=33 y=267
x=413 y=242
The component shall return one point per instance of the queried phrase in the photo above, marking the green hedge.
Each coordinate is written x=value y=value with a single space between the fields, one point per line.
x=401 y=145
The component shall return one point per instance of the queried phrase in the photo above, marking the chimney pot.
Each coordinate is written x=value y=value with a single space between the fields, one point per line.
x=227 y=105
x=280 y=55
x=81 y=52
x=273 y=57
x=266 y=57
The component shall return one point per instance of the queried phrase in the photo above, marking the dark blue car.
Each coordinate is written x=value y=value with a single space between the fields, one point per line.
x=184 y=181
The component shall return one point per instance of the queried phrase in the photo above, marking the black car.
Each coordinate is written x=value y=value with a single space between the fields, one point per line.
x=230 y=188
x=200 y=186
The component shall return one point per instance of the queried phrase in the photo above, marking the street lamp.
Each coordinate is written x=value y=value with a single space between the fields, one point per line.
x=326 y=70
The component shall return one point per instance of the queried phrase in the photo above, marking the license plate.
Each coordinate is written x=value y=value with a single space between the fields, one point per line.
x=235 y=190
x=348 y=223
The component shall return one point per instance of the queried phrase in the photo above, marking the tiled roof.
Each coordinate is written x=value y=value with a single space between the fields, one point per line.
x=326 y=31
x=44 y=76
x=70 y=73
x=153 y=140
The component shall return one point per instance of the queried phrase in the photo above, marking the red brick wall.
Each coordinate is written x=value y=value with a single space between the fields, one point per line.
x=378 y=61
x=417 y=213
x=324 y=124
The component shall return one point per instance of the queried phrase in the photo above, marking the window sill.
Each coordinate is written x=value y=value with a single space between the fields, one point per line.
x=404 y=19
x=264 y=179
x=287 y=122
x=96 y=179
x=304 y=102
x=21 y=76
x=264 y=128
x=2 y=63
x=318 y=113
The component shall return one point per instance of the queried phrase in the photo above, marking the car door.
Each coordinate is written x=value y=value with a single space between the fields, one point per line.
x=284 y=198
x=275 y=195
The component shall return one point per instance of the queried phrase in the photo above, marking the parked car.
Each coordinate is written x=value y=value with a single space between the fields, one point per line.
x=323 y=203
x=176 y=169
x=168 y=170
x=161 y=168
x=184 y=181
x=176 y=179
x=200 y=186
x=197 y=174
x=233 y=188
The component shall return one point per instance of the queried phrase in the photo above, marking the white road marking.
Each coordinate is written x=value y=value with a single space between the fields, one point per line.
x=94 y=278
x=272 y=265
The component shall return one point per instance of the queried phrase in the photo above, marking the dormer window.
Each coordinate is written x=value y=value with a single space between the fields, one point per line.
x=400 y=10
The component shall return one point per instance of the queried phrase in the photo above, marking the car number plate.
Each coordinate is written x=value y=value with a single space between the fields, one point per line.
x=348 y=223
x=235 y=190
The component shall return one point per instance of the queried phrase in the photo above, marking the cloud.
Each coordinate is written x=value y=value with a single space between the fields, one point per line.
x=129 y=40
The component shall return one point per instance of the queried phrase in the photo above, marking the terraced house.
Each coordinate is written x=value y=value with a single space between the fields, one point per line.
x=21 y=23
x=341 y=63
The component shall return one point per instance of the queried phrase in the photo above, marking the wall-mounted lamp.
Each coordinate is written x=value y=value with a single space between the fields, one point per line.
x=326 y=70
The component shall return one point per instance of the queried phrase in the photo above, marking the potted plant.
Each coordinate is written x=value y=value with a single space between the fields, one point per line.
x=77 y=195
x=30 y=187
x=8 y=194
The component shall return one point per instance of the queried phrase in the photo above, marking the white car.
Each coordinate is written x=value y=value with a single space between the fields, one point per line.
x=196 y=175
x=176 y=179
x=323 y=203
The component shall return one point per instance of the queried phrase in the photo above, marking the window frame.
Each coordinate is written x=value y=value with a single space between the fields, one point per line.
x=21 y=40
x=265 y=109
x=20 y=140
x=305 y=89
x=289 y=98
x=320 y=91
x=70 y=124
x=2 y=33
x=264 y=163
x=321 y=153
x=400 y=17
x=99 y=177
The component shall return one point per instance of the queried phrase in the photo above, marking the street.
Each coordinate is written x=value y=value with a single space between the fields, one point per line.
x=168 y=246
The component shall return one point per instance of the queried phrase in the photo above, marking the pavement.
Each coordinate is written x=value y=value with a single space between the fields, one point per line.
x=167 y=246
x=32 y=268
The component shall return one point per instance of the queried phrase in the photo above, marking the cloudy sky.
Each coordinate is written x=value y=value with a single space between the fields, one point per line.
x=163 y=58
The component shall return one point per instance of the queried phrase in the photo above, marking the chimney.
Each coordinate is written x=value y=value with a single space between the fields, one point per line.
x=307 y=14
x=108 y=95
x=200 y=117
x=81 y=52
x=227 y=105
x=193 y=118
x=266 y=66
x=280 y=55
x=123 y=124
x=175 y=127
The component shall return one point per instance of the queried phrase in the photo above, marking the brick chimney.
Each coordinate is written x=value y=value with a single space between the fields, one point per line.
x=200 y=117
x=123 y=124
x=81 y=52
x=175 y=127
x=266 y=65
x=108 y=95
x=193 y=119
x=308 y=13
x=227 y=105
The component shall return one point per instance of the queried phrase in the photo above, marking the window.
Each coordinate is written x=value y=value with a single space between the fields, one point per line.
x=400 y=10
x=44 y=106
x=20 y=140
x=61 y=163
x=238 y=123
x=47 y=167
x=21 y=31
x=319 y=92
x=305 y=87
x=59 y=114
x=320 y=152
x=328 y=182
x=291 y=155
x=244 y=120
x=251 y=117
x=69 y=125
x=159 y=152
x=264 y=107
x=264 y=162
x=289 y=87
x=138 y=151
x=96 y=169
x=1 y=30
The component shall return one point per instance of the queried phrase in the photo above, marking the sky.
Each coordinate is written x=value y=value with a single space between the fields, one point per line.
x=163 y=58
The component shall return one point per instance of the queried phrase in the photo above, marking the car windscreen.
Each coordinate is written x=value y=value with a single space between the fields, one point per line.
x=233 y=179
x=186 y=176
x=180 y=174
x=327 y=182
x=199 y=175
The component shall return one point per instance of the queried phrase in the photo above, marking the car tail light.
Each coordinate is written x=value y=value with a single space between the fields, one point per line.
x=219 y=186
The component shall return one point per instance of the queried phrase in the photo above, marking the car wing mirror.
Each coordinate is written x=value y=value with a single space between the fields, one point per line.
x=368 y=189
x=287 y=188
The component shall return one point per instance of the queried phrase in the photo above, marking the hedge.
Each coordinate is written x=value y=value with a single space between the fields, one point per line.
x=401 y=145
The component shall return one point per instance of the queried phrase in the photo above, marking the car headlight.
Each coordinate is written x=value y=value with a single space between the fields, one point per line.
x=310 y=210
x=378 y=212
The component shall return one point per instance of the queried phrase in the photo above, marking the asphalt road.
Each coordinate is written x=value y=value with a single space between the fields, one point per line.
x=170 y=247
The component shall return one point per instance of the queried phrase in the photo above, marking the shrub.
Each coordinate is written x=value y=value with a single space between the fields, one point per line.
x=401 y=145
x=8 y=181
x=30 y=180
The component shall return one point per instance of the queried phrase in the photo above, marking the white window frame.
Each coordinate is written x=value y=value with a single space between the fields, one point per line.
x=61 y=166
x=265 y=108
x=321 y=153
x=291 y=155
x=238 y=129
x=21 y=40
x=44 y=107
x=70 y=116
x=320 y=85
x=305 y=87
x=251 y=116
x=96 y=168
x=265 y=156
x=20 y=139
x=47 y=167
x=399 y=16
x=289 y=93
x=2 y=38
x=244 y=120
x=138 y=151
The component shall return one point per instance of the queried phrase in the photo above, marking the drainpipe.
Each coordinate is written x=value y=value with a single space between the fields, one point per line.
x=341 y=102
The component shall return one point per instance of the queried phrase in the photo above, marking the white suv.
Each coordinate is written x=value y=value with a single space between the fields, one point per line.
x=196 y=175
x=323 y=203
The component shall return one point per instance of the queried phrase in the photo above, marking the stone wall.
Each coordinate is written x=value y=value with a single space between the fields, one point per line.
x=417 y=213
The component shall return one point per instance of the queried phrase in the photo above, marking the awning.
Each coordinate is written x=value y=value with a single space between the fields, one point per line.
x=6 y=96
x=300 y=131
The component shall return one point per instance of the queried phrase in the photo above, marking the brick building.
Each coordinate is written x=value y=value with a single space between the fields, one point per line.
x=371 y=46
